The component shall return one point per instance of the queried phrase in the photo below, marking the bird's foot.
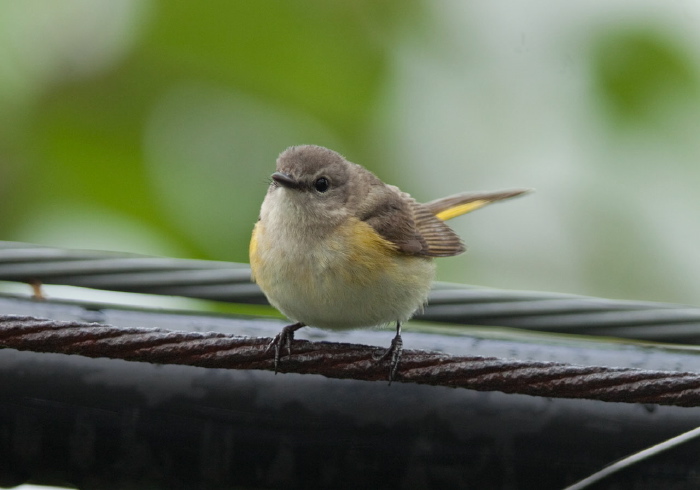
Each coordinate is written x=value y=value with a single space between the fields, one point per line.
x=282 y=340
x=393 y=353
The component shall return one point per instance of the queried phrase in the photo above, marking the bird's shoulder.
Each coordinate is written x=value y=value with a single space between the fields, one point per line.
x=409 y=225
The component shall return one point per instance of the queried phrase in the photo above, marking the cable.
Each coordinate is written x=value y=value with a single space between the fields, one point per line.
x=340 y=360
x=224 y=281
x=635 y=458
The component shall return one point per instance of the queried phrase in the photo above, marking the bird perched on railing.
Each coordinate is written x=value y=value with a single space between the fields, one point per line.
x=335 y=247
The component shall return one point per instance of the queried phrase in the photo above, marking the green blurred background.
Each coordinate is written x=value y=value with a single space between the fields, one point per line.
x=152 y=126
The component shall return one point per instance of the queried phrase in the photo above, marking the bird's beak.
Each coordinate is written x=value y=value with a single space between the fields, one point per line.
x=285 y=180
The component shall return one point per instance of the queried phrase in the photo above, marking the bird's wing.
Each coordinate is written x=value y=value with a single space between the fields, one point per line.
x=411 y=227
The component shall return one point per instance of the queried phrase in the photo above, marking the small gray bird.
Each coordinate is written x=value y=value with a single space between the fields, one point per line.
x=335 y=247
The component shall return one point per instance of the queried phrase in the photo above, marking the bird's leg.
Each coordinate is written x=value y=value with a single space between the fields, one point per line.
x=283 y=339
x=394 y=353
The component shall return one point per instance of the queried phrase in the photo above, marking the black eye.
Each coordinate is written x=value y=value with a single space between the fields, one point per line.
x=322 y=184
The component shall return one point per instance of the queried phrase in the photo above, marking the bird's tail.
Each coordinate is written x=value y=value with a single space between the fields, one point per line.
x=459 y=204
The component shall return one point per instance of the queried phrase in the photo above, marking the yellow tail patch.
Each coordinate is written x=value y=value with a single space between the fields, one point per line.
x=461 y=209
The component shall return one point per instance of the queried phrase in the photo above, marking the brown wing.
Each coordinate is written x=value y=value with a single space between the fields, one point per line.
x=441 y=241
x=409 y=225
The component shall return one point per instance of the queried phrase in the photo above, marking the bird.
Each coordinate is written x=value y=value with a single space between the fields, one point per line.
x=335 y=247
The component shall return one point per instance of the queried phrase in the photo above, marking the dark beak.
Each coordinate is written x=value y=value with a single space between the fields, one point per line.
x=285 y=180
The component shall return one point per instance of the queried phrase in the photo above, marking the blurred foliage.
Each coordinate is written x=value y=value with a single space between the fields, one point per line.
x=639 y=73
x=81 y=145
x=152 y=126
x=319 y=57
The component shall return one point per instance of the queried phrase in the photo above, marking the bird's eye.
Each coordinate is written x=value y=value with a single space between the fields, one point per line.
x=322 y=184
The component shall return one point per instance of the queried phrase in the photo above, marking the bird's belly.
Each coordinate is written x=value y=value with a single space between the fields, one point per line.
x=351 y=278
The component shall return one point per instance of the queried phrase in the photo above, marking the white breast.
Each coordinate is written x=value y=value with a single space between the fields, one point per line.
x=344 y=278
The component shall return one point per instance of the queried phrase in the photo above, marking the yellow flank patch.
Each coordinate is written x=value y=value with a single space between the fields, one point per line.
x=461 y=209
x=365 y=238
x=368 y=252
x=253 y=250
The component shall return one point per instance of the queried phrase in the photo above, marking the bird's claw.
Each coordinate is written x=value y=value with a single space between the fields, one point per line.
x=282 y=340
x=394 y=354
